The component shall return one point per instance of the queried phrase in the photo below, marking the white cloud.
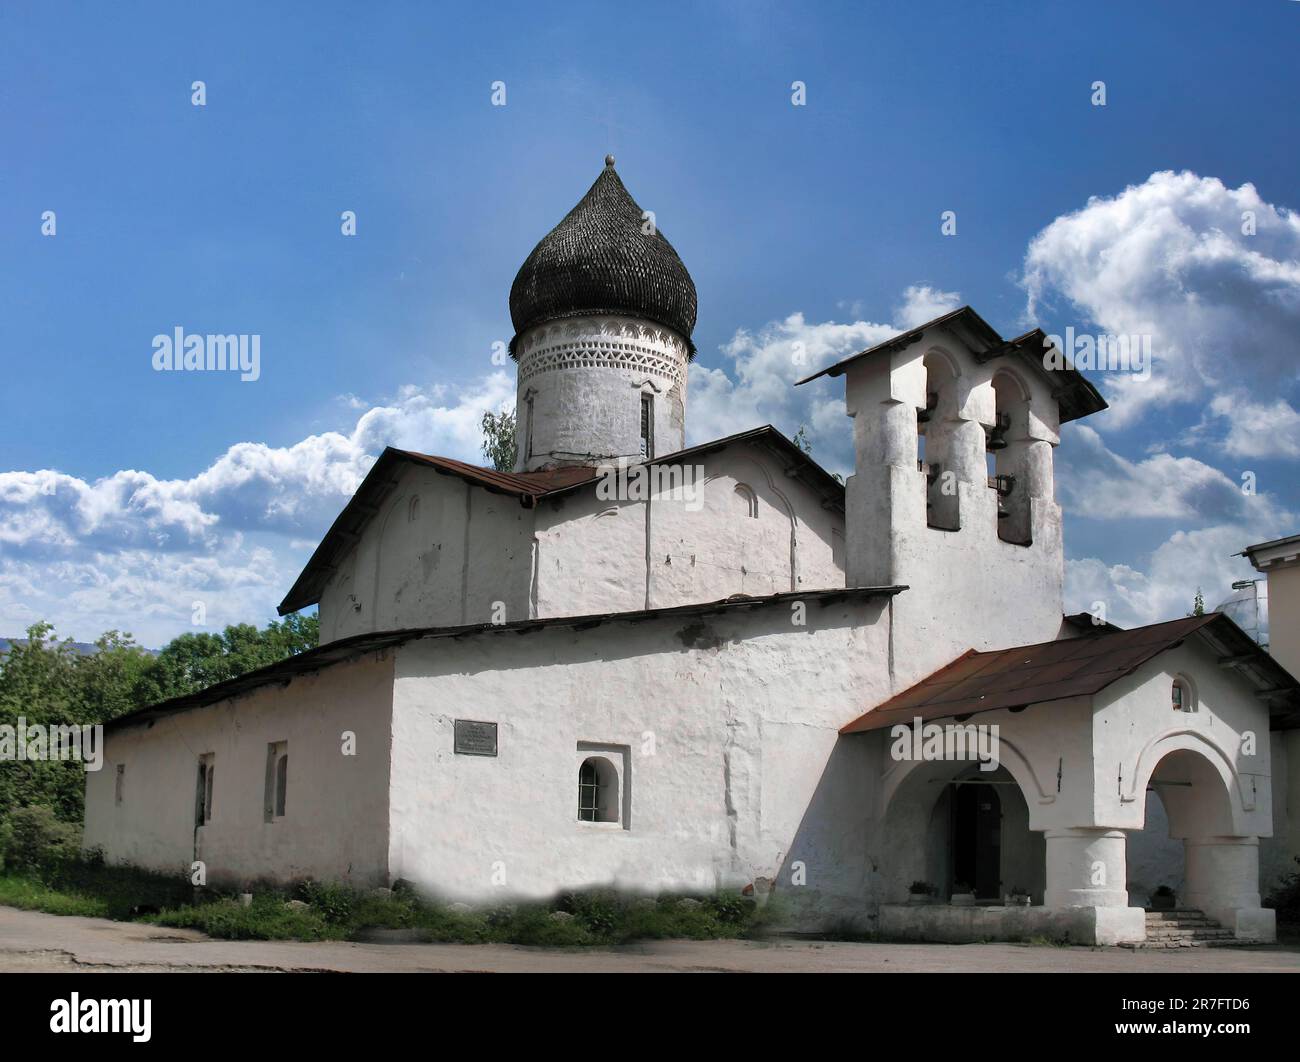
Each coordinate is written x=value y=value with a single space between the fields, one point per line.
x=1258 y=429
x=763 y=366
x=1094 y=482
x=1159 y=584
x=87 y=555
x=922 y=303
x=1168 y=258
x=1165 y=586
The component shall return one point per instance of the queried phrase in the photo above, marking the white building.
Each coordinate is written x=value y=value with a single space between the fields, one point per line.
x=555 y=678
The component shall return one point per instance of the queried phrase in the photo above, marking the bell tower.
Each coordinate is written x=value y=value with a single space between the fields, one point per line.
x=953 y=493
x=603 y=311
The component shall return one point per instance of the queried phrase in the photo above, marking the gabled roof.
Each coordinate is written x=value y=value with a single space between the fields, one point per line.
x=1073 y=391
x=359 y=644
x=528 y=487
x=379 y=483
x=1079 y=667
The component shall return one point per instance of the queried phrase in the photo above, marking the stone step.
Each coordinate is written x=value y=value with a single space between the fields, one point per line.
x=1185 y=927
x=1191 y=935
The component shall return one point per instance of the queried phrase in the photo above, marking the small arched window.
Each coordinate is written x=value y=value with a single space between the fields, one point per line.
x=597 y=791
x=1184 y=700
x=413 y=508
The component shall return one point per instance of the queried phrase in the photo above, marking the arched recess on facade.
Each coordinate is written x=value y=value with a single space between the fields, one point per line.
x=949 y=823
x=762 y=491
x=1038 y=795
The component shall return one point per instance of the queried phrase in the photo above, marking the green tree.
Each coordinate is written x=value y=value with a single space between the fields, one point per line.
x=38 y=685
x=1198 y=605
x=43 y=681
x=802 y=441
x=499 y=443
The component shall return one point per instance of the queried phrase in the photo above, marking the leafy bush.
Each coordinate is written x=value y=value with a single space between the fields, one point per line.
x=335 y=911
x=335 y=903
x=732 y=909
x=1285 y=897
x=599 y=910
x=267 y=918
x=35 y=837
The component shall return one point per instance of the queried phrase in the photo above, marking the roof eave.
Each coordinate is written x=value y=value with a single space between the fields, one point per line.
x=359 y=644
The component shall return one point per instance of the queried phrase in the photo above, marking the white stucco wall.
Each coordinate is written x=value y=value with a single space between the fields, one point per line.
x=1278 y=854
x=443 y=563
x=1135 y=728
x=734 y=763
x=467 y=549
x=336 y=821
x=598 y=556
x=584 y=378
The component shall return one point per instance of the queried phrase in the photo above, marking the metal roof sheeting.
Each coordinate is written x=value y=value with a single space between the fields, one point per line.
x=1076 y=667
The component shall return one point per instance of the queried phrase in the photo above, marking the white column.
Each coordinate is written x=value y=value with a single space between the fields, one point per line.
x=1086 y=867
x=1223 y=881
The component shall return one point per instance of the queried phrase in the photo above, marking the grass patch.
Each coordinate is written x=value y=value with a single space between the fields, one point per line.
x=89 y=887
x=316 y=911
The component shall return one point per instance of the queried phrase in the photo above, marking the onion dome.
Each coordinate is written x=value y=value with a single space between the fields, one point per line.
x=600 y=260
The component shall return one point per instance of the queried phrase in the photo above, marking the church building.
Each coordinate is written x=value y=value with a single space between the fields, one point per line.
x=628 y=662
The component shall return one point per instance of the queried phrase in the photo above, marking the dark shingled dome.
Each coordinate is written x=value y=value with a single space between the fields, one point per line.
x=598 y=261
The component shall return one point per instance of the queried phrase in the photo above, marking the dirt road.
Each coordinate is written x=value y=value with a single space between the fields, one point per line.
x=34 y=942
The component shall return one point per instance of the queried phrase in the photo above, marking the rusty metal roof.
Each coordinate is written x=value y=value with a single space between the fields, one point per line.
x=521 y=484
x=528 y=487
x=1077 y=667
x=1074 y=391
x=358 y=645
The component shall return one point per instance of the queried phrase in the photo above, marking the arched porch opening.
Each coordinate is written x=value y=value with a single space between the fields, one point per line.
x=961 y=829
x=1191 y=844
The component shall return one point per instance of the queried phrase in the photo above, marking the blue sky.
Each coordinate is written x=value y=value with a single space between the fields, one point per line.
x=127 y=494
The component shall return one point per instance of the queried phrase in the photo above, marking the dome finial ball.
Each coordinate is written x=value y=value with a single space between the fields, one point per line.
x=609 y=160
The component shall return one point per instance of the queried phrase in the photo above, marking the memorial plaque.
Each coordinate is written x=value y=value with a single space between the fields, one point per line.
x=476 y=739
